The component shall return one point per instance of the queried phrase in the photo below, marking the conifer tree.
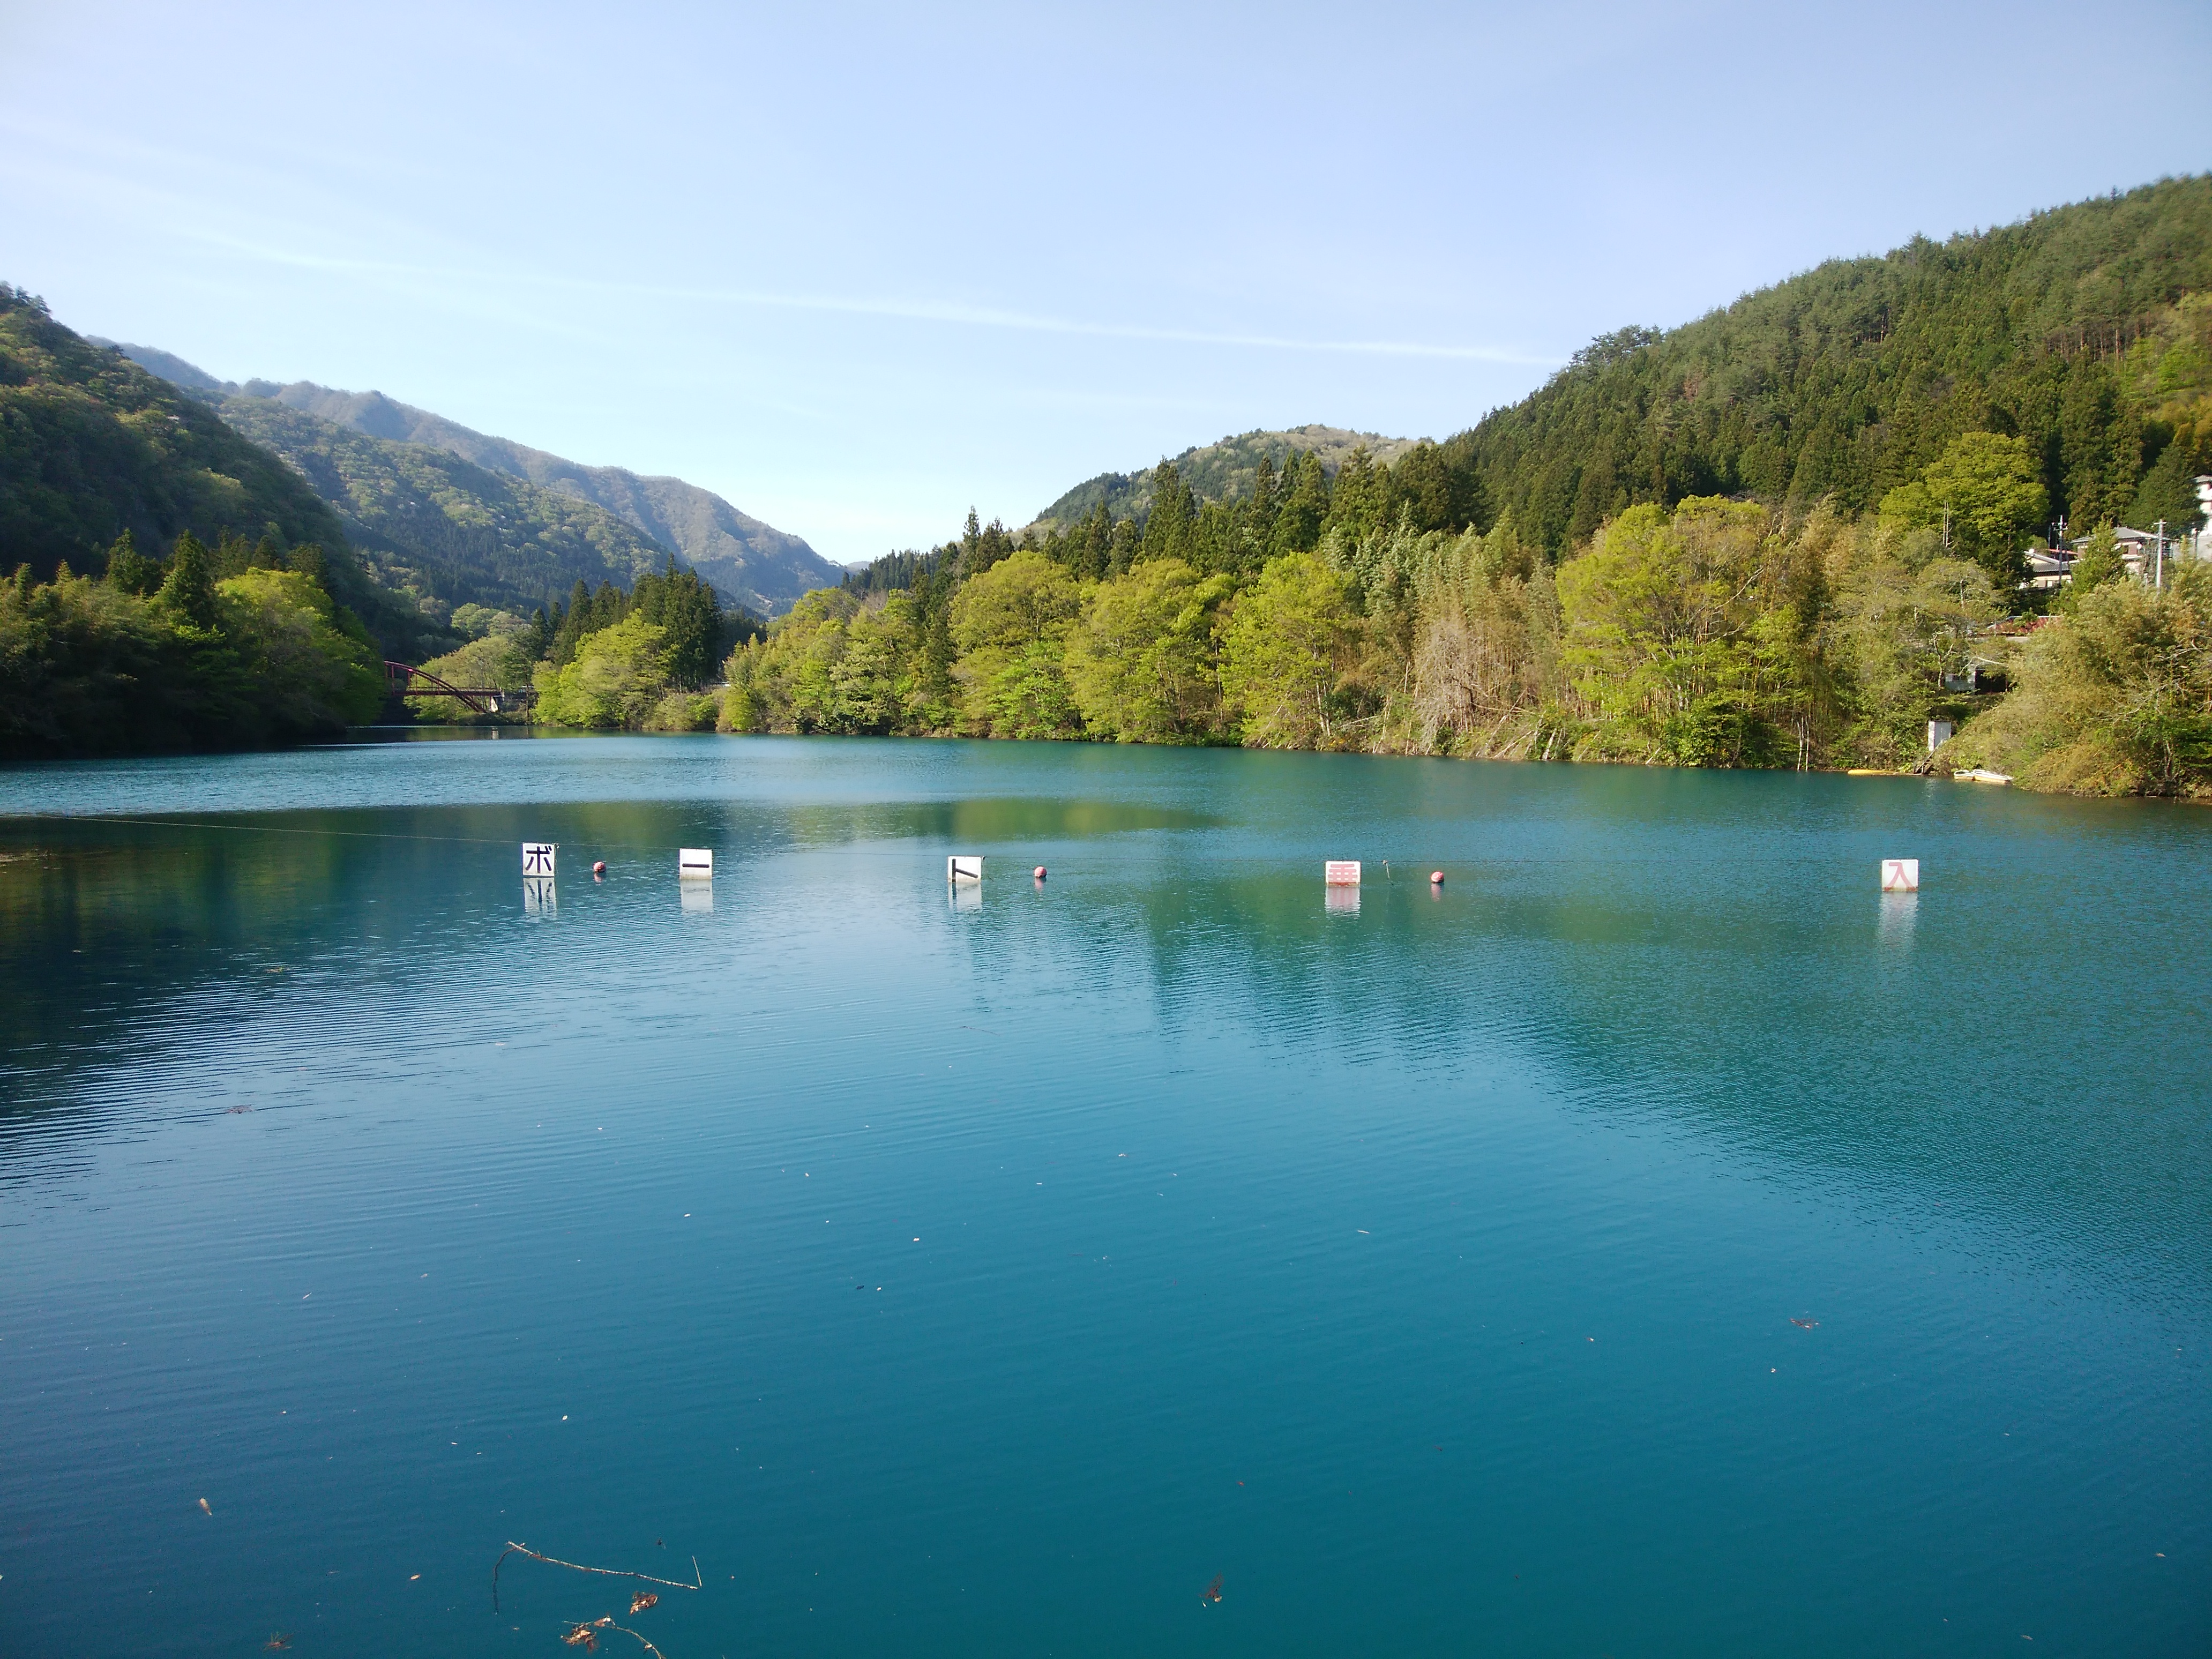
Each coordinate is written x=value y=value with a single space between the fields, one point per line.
x=1298 y=526
x=189 y=591
x=131 y=570
x=1168 y=527
x=1260 y=512
x=1121 y=546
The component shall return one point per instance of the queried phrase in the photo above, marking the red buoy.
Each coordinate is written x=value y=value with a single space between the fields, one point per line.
x=1040 y=872
x=1436 y=877
x=600 y=868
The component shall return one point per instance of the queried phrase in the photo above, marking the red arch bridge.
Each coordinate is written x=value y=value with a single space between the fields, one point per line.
x=401 y=681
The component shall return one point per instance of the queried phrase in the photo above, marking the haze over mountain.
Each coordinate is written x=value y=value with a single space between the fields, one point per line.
x=753 y=563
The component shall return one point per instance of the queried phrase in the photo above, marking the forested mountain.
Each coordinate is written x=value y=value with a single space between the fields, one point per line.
x=2084 y=332
x=753 y=563
x=92 y=448
x=442 y=528
x=2081 y=329
x=1788 y=534
x=1219 y=471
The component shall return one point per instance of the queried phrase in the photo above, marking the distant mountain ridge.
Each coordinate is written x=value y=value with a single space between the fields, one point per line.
x=752 y=563
x=443 y=530
x=1222 y=471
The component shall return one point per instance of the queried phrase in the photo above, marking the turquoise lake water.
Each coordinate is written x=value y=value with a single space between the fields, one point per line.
x=984 y=1274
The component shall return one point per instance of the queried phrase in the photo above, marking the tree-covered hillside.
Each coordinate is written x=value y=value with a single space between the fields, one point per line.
x=2074 y=330
x=1788 y=534
x=435 y=526
x=1219 y=471
x=753 y=564
x=93 y=446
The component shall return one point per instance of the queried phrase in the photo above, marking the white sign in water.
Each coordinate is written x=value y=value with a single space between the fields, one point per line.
x=1340 y=873
x=962 y=866
x=1900 y=875
x=537 y=858
x=694 y=861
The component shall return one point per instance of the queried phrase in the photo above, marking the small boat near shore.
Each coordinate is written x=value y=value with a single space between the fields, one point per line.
x=1982 y=774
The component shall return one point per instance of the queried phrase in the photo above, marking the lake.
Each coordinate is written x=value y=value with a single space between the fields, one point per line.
x=1652 y=1241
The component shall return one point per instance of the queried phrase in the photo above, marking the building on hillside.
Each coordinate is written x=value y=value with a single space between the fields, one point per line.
x=2143 y=552
x=2136 y=549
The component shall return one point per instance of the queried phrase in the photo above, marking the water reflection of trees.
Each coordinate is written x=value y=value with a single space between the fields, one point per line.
x=2013 y=1060
x=1788 y=1031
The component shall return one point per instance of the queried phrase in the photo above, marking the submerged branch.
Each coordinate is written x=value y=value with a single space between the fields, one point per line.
x=513 y=1548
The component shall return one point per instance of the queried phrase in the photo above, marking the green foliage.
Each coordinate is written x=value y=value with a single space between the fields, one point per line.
x=618 y=677
x=1785 y=535
x=93 y=449
x=1284 y=651
x=130 y=570
x=1141 y=662
x=2097 y=564
x=1687 y=633
x=684 y=711
x=496 y=662
x=92 y=445
x=188 y=591
x=688 y=612
x=479 y=622
x=312 y=666
x=2117 y=700
x=97 y=666
x=2068 y=331
x=697 y=630
x=1228 y=471
x=1011 y=624
x=1982 y=495
x=443 y=530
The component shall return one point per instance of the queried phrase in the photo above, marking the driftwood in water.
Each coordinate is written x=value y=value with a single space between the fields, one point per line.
x=513 y=1548
x=586 y=1637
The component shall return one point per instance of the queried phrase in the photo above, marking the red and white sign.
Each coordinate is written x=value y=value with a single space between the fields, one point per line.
x=1900 y=875
x=1340 y=873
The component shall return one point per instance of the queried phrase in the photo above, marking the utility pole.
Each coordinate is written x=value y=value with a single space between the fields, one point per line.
x=2159 y=581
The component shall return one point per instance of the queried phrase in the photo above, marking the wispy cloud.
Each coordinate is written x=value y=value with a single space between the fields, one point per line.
x=95 y=166
x=948 y=312
x=973 y=316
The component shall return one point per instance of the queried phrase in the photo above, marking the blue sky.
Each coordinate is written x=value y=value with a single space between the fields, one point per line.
x=858 y=268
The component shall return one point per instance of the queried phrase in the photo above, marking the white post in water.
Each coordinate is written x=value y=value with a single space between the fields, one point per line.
x=1900 y=875
x=1340 y=872
x=695 y=862
x=538 y=857
x=964 y=866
